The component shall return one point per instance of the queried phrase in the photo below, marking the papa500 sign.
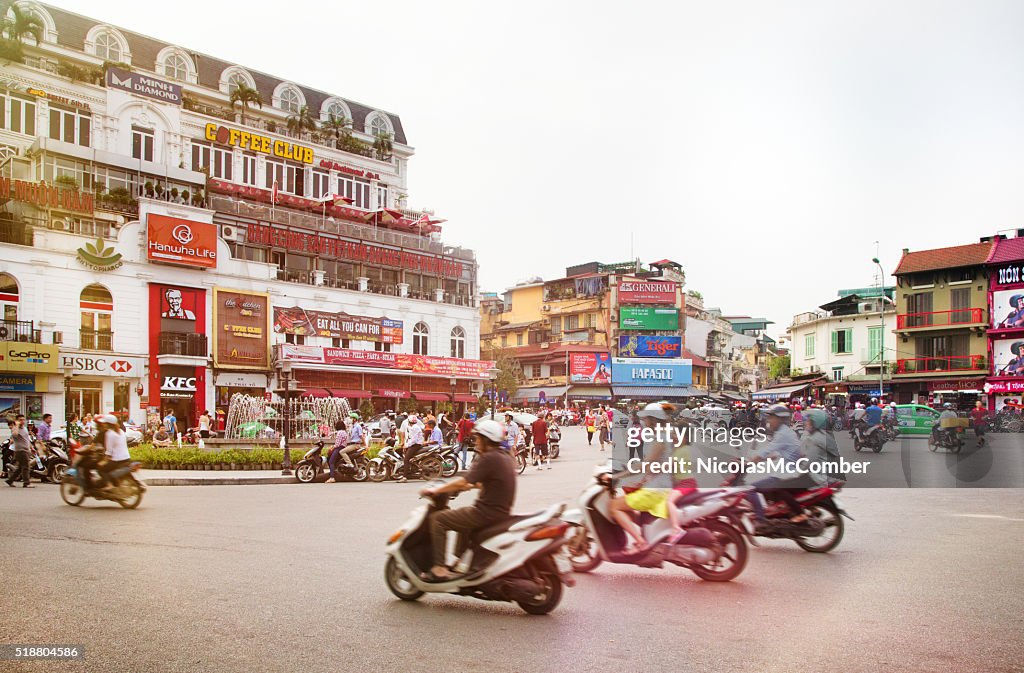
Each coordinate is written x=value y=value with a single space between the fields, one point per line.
x=173 y=240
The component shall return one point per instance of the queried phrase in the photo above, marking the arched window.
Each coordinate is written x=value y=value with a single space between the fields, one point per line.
x=336 y=110
x=379 y=125
x=290 y=100
x=109 y=48
x=8 y=299
x=458 y=342
x=97 y=308
x=176 y=67
x=420 y=334
x=236 y=80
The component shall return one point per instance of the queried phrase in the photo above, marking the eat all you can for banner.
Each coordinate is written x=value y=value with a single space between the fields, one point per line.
x=241 y=329
x=299 y=321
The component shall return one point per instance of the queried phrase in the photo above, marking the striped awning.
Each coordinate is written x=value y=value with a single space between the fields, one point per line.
x=655 y=392
x=782 y=391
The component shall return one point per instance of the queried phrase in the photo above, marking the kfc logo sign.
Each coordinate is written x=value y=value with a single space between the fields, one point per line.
x=179 y=384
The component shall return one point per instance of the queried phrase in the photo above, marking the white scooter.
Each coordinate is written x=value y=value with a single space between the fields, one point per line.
x=713 y=544
x=521 y=559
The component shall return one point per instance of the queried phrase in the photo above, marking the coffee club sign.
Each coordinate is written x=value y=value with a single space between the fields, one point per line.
x=222 y=135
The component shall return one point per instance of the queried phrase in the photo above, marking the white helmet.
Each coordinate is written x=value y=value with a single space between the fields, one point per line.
x=659 y=410
x=892 y=404
x=780 y=410
x=492 y=430
x=107 y=419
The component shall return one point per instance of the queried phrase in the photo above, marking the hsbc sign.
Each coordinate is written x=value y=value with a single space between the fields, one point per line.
x=78 y=364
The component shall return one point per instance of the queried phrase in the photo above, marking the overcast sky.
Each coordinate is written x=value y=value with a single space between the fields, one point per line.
x=765 y=146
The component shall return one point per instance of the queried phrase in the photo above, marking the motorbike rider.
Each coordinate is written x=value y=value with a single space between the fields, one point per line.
x=114 y=442
x=413 y=444
x=947 y=413
x=356 y=440
x=340 y=442
x=785 y=445
x=872 y=419
x=819 y=445
x=494 y=473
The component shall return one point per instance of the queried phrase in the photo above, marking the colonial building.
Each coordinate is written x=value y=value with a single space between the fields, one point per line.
x=176 y=228
x=942 y=316
x=1005 y=383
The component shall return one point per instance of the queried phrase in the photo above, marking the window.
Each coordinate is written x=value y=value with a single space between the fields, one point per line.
x=874 y=344
x=420 y=334
x=808 y=345
x=572 y=322
x=176 y=67
x=336 y=110
x=70 y=126
x=535 y=371
x=556 y=325
x=458 y=342
x=321 y=183
x=20 y=116
x=379 y=126
x=837 y=373
x=589 y=320
x=289 y=177
x=236 y=80
x=961 y=275
x=97 y=307
x=340 y=343
x=249 y=169
x=382 y=195
x=108 y=48
x=960 y=304
x=504 y=340
x=290 y=100
x=9 y=300
x=924 y=412
x=356 y=189
x=920 y=304
x=143 y=141
x=519 y=338
x=382 y=348
x=216 y=159
x=297 y=339
x=842 y=341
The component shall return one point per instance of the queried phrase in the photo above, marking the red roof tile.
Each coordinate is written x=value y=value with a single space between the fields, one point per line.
x=943 y=258
x=698 y=361
x=1007 y=250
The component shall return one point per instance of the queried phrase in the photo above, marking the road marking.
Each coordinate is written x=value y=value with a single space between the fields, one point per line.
x=987 y=516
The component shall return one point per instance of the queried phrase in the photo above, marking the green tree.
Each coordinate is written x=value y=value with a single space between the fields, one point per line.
x=778 y=367
x=510 y=372
x=382 y=146
x=338 y=127
x=245 y=96
x=303 y=120
x=19 y=23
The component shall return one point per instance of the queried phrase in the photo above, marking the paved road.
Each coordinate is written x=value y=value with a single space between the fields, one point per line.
x=288 y=578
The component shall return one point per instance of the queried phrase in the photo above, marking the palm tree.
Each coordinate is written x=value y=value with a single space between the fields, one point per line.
x=382 y=145
x=303 y=120
x=339 y=126
x=244 y=95
x=21 y=23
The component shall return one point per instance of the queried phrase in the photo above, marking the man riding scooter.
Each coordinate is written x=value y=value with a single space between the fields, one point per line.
x=872 y=420
x=947 y=412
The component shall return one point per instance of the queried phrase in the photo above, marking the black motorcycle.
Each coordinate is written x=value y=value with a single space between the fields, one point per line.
x=947 y=438
x=313 y=464
x=82 y=480
x=865 y=437
x=48 y=467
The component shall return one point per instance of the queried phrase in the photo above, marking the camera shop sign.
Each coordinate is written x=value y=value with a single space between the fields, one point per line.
x=105 y=365
x=43 y=195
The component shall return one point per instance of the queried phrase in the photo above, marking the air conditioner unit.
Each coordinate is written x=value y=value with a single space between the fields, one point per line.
x=546 y=307
x=868 y=307
x=230 y=233
x=58 y=337
x=477 y=387
x=545 y=344
x=815 y=369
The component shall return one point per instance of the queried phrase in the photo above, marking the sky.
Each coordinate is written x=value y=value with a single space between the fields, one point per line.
x=766 y=147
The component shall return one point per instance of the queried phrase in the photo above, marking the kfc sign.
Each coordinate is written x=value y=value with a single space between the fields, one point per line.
x=172 y=240
x=179 y=384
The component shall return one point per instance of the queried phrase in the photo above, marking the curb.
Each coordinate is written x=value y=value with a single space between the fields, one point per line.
x=196 y=481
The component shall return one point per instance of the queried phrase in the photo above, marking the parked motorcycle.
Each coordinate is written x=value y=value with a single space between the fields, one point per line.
x=50 y=466
x=126 y=488
x=713 y=543
x=520 y=559
x=554 y=442
x=312 y=464
x=427 y=464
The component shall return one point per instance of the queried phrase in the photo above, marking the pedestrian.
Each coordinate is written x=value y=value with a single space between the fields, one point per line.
x=465 y=437
x=204 y=424
x=171 y=423
x=590 y=421
x=387 y=426
x=540 y=443
x=413 y=444
x=74 y=427
x=979 y=417
x=43 y=432
x=22 y=452
x=602 y=427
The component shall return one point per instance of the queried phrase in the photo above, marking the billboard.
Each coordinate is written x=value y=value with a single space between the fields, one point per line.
x=640 y=346
x=144 y=85
x=652 y=371
x=647 y=292
x=173 y=240
x=24 y=356
x=241 y=329
x=590 y=368
x=1007 y=309
x=419 y=364
x=648 y=318
x=1008 y=357
x=299 y=321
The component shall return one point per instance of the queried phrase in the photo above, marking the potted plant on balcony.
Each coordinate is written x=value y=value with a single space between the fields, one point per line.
x=66 y=181
x=185 y=197
x=158 y=189
x=149 y=189
x=174 y=194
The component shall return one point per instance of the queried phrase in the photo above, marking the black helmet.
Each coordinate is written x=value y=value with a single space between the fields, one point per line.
x=1015 y=299
x=1015 y=348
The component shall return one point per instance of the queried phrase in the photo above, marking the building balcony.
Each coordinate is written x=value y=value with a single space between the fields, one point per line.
x=20 y=330
x=937 y=365
x=180 y=343
x=95 y=340
x=320 y=279
x=965 y=317
x=17 y=232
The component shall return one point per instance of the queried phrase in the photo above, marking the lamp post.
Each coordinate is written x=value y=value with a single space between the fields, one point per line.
x=492 y=374
x=881 y=315
x=452 y=381
x=286 y=385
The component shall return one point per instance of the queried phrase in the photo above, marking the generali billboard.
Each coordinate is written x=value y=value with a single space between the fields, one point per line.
x=644 y=292
x=173 y=240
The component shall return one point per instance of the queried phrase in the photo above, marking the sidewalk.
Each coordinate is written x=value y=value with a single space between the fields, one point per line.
x=215 y=477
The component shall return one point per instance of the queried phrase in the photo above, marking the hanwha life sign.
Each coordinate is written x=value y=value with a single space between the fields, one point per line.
x=173 y=240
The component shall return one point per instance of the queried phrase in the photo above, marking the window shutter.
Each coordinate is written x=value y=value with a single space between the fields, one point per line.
x=835 y=341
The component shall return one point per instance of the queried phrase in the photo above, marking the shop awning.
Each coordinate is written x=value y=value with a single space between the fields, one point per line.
x=389 y=392
x=463 y=397
x=734 y=397
x=316 y=392
x=354 y=394
x=590 y=392
x=655 y=392
x=431 y=397
x=782 y=391
x=550 y=392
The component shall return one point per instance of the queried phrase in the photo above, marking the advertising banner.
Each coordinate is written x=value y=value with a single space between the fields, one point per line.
x=637 y=292
x=420 y=364
x=652 y=371
x=1008 y=309
x=241 y=329
x=590 y=368
x=1007 y=274
x=345 y=356
x=21 y=356
x=104 y=365
x=173 y=240
x=143 y=85
x=457 y=367
x=18 y=382
x=641 y=317
x=1007 y=357
x=1004 y=386
x=298 y=321
x=639 y=346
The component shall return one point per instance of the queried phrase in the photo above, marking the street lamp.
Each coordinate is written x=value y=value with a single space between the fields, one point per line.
x=453 y=382
x=881 y=313
x=492 y=374
x=286 y=385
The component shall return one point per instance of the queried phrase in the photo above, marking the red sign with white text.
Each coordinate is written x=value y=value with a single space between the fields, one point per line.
x=421 y=364
x=172 y=240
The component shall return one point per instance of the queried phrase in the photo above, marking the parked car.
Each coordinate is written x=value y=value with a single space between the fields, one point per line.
x=916 y=419
x=132 y=434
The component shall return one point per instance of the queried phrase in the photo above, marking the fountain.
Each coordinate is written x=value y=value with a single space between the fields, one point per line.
x=251 y=417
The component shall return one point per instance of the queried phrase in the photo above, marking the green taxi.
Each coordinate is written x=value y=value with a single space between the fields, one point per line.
x=916 y=419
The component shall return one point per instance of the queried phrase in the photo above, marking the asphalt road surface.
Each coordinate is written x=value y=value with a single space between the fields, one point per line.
x=289 y=578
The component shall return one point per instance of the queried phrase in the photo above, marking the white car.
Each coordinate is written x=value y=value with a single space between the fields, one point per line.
x=133 y=435
x=715 y=414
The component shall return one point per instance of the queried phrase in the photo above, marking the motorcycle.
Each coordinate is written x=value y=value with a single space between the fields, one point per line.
x=554 y=442
x=126 y=489
x=713 y=543
x=520 y=559
x=947 y=438
x=48 y=467
x=427 y=464
x=312 y=464
x=865 y=437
